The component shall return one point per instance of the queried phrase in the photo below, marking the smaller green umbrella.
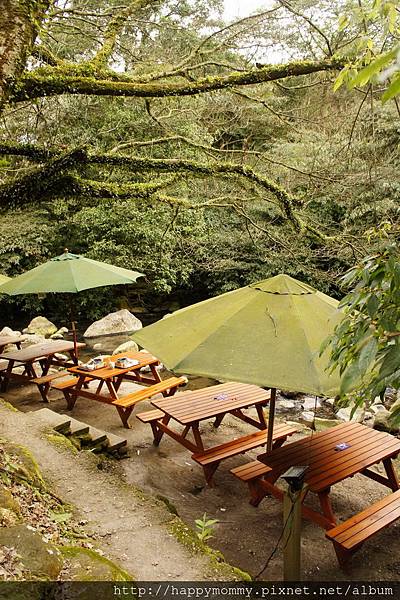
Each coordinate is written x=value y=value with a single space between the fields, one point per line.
x=68 y=273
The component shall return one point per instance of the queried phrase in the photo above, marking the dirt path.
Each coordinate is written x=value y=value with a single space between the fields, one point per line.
x=129 y=527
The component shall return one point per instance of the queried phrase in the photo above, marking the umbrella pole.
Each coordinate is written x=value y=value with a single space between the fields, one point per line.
x=271 y=417
x=73 y=328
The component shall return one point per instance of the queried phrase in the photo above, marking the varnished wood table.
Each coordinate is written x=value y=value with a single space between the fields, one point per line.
x=6 y=340
x=189 y=408
x=328 y=465
x=111 y=379
x=42 y=354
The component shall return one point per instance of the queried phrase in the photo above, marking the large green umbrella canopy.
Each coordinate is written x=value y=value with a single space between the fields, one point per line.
x=267 y=333
x=68 y=273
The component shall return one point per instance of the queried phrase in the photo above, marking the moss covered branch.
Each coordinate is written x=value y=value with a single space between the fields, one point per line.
x=287 y=202
x=114 y=27
x=35 y=84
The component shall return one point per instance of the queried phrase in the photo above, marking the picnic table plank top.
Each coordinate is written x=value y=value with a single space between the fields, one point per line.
x=196 y=405
x=326 y=464
x=11 y=339
x=145 y=359
x=39 y=350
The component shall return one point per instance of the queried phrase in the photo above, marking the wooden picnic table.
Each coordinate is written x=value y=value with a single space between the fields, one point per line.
x=6 y=340
x=110 y=379
x=327 y=465
x=44 y=355
x=191 y=407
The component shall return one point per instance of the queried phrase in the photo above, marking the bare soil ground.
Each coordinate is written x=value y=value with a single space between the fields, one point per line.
x=245 y=535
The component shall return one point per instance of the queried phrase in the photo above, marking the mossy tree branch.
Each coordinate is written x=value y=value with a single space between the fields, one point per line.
x=285 y=200
x=35 y=84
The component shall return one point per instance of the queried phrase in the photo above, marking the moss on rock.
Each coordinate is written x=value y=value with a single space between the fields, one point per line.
x=88 y=565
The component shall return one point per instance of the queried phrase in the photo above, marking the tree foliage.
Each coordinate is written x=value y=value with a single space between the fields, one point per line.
x=366 y=344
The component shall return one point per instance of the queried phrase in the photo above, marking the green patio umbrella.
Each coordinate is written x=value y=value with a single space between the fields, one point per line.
x=68 y=273
x=268 y=333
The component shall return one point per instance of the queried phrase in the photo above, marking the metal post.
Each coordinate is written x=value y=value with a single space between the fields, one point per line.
x=271 y=416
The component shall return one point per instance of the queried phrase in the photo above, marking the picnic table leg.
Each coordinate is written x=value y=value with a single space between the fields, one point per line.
x=209 y=471
x=261 y=415
x=43 y=389
x=155 y=373
x=391 y=474
x=7 y=376
x=124 y=414
x=218 y=420
x=326 y=506
x=157 y=432
x=197 y=436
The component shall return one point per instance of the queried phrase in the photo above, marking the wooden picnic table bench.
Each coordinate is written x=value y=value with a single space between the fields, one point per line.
x=112 y=378
x=42 y=354
x=348 y=537
x=327 y=465
x=210 y=459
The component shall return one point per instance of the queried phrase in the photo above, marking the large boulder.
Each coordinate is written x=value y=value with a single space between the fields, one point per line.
x=41 y=326
x=130 y=346
x=115 y=323
x=9 y=331
x=383 y=422
x=33 y=338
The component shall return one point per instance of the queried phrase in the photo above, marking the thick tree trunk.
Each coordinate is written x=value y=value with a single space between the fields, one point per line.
x=19 y=21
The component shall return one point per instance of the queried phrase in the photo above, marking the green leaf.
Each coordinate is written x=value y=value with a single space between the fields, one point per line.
x=367 y=355
x=372 y=305
x=391 y=362
x=365 y=75
x=392 y=90
x=349 y=379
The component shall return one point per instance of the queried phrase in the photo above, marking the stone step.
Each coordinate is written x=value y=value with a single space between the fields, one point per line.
x=60 y=423
x=89 y=436
x=116 y=443
x=77 y=428
x=97 y=437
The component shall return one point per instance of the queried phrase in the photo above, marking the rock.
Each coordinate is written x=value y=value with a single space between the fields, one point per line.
x=97 y=346
x=59 y=335
x=329 y=401
x=285 y=405
x=41 y=559
x=9 y=331
x=33 y=338
x=88 y=565
x=375 y=408
x=344 y=414
x=121 y=321
x=322 y=424
x=292 y=395
x=307 y=418
x=391 y=396
x=62 y=357
x=130 y=346
x=382 y=422
x=41 y=326
x=7 y=500
x=310 y=403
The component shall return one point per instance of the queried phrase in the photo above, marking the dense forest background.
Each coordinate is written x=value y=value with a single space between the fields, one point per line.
x=154 y=136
